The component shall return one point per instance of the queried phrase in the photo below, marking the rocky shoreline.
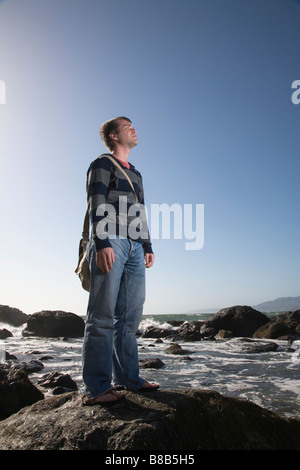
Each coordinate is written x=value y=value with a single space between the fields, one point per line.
x=210 y=420
x=237 y=321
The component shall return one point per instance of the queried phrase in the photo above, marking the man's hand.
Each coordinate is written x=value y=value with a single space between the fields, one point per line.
x=149 y=260
x=105 y=259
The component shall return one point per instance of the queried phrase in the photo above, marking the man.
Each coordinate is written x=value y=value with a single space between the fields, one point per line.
x=117 y=256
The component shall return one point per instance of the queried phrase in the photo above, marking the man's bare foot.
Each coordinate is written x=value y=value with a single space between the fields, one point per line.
x=108 y=397
x=148 y=387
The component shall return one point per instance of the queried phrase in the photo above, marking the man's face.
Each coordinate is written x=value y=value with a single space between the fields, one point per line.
x=127 y=134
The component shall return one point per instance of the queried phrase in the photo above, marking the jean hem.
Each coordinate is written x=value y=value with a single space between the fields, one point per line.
x=92 y=396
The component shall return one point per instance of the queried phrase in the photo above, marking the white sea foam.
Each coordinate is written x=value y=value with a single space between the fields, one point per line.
x=150 y=322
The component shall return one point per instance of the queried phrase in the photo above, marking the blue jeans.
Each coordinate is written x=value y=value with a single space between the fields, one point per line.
x=114 y=313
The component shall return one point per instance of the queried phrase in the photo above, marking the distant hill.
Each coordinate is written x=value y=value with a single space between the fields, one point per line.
x=282 y=304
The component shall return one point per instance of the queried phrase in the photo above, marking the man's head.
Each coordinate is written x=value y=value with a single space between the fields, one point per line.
x=119 y=130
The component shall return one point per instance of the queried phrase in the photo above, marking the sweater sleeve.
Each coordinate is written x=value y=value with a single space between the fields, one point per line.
x=147 y=245
x=98 y=179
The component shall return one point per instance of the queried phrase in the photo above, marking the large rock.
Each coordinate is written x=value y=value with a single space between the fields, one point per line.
x=155 y=332
x=59 y=382
x=16 y=391
x=185 y=331
x=54 y=324
x=189 y=331
x=12 y=316
x=176 y=349
x=151 y=363
x=4 y=333
x=282 y=325
x=240 y=320
x=164 y=420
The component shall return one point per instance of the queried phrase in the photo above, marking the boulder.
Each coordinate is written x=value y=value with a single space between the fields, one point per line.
x=16 y=391
x=58 y=381
x=284 y=324
x=54 y=324
x=151 y=363
x=260 y=348
x=162 y=420
x=189 y=331
x=29 y=367
x=241 y=320
x=12 y=316
x=10 y=357
x=154 y=332
x=176 y=349
x=4 y=333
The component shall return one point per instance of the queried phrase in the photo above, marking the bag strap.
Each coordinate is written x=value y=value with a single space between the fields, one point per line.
x=124 y=172
x=86 y=222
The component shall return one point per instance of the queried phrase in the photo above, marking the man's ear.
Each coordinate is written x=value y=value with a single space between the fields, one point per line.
x=113 y=136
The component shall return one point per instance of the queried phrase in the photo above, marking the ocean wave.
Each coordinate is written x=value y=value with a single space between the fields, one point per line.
x=151 y=322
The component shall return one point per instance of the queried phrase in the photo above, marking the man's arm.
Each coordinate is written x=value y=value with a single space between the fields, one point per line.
x=149 y=255
x=98 y=179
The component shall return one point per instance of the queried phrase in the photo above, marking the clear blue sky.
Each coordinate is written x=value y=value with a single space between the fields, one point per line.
x=207 y=84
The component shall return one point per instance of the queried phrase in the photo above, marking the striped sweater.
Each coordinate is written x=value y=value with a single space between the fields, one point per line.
x=113 y=209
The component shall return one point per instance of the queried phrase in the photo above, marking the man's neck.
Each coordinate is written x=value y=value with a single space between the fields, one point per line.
x=122 y=153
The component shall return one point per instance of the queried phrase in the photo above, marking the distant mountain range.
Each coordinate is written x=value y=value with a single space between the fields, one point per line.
x=282 y=304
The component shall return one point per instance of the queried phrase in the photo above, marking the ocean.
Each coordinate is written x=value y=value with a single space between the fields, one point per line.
x=270 y=379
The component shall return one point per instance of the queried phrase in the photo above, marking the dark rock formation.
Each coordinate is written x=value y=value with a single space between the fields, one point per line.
x=4 y=333
x=176 y=349
x=240 y=320
x=29 y=367
x=260 y=348
x=189 y=331
x=60 y=383
x=16 y=391
x=164 y=420
x=282 y=325
x=151 y=363
x=154 y=332
x=54 y=324
x=12 y=316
